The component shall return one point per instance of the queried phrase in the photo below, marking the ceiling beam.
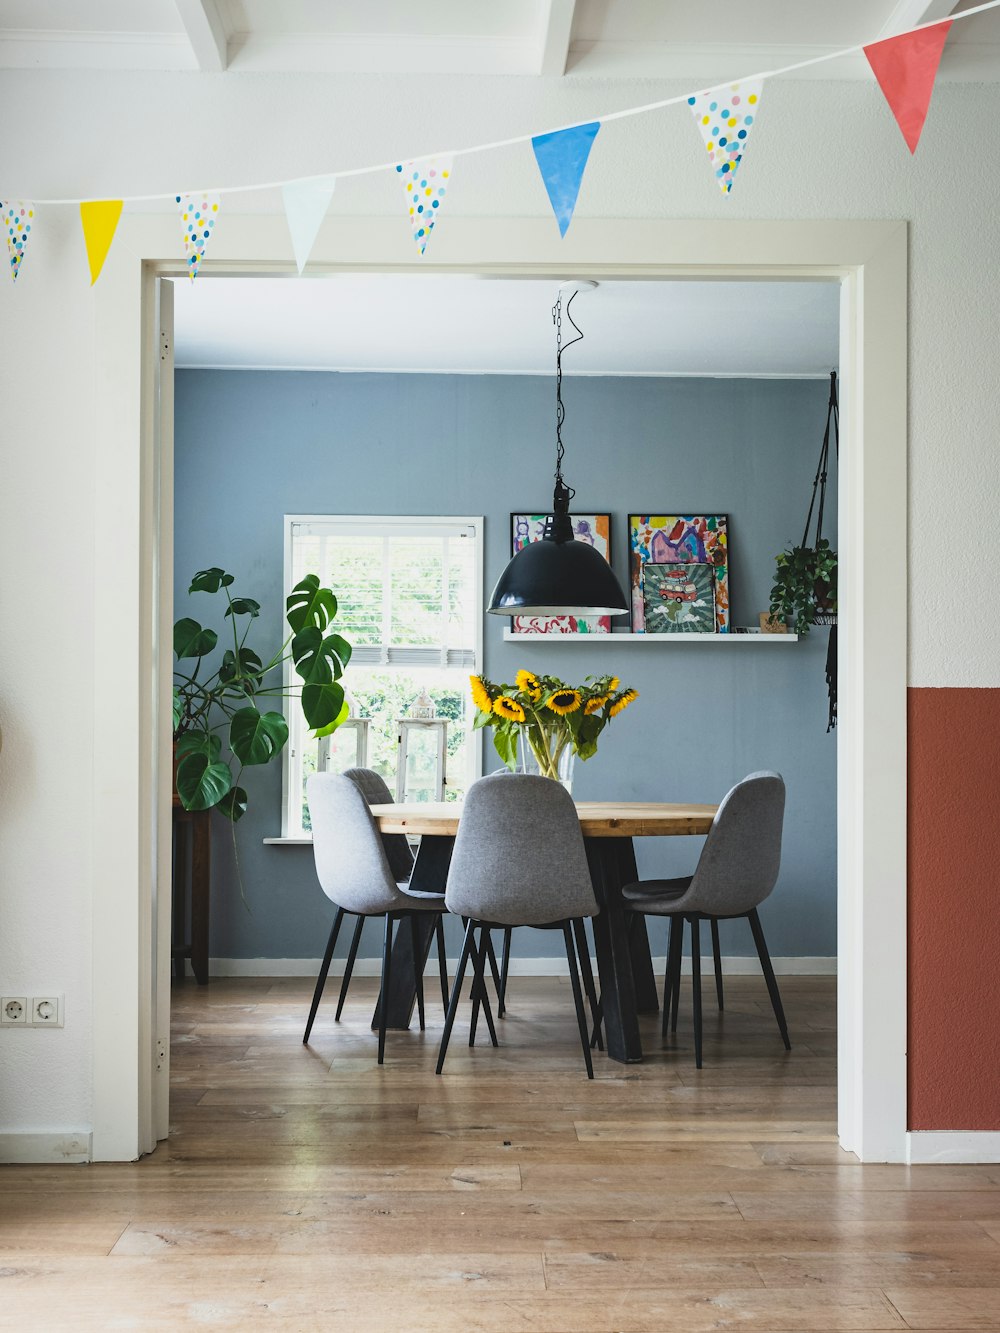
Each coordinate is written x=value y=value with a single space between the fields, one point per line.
x=556 y=29
x=206 y=33
x=906 y=14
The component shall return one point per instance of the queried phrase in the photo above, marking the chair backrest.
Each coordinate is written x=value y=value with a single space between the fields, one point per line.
x=351 y=863
x=739 y=863
x=519 y=858
x=373 y=788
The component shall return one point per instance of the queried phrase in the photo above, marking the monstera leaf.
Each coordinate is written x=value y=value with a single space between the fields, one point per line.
x=243 y=606
x=234 y=804
x=319 y=659
x=202 y=783
x=190 y=640
x=210 y=580
x=255 y=737
x=309 y=603
x=324 y=707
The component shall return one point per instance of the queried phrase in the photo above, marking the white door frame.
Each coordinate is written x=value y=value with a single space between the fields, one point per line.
x=134 y=520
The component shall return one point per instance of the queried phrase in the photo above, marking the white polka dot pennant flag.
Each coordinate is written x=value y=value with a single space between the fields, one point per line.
x=198 y=217
x=18 y=220
x=725 y=117
x=426 y=184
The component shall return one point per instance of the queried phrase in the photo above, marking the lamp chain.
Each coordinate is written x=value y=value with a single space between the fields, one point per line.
x=557 y=318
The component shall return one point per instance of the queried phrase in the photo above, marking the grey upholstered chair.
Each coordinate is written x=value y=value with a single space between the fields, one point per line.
x=364 y=873
x=519 y=860
x=737 y=870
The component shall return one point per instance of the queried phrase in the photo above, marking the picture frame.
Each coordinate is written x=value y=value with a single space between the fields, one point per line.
x=678 y=538
x=593 y=528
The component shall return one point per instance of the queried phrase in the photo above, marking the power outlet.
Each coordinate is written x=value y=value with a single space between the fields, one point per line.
x=13 y=1009
x=46 y=1011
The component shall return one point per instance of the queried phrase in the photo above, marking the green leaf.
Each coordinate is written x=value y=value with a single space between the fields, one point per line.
x=322 y=704
x=255 y=737
x=234 y=804
x=200 y=783
x=190 y=640
x=243 y=606
x=199 y=742
x=310 y=604
x=331 y=727
x=319 y=660
x=247 y=666
x=505 y=744
x=210 y=580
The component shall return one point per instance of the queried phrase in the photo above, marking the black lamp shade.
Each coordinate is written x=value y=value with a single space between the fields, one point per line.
x=553 y=578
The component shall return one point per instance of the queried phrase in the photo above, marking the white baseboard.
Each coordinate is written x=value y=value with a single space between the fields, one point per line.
x=46 y=1148
x=926 y=1146
x=519 y=967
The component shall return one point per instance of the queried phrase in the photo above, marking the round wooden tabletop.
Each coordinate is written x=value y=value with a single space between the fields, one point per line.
x=598 y=819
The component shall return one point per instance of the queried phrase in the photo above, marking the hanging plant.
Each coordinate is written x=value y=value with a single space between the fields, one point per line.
x=805 y=585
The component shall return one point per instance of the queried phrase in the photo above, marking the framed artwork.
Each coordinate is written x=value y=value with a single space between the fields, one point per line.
x=678 y=539
x=592 y=528
x=678 y=598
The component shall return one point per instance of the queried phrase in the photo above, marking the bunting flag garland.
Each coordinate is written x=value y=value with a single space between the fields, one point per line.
x=562 y=159
x=198 y=214
x=426 y=185
x=99 y=220
x=18 y=217
x=724 y=117
x=906 y=67
x=306 y=203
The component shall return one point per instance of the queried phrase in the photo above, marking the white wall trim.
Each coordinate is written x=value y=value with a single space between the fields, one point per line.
x=519 y=967
x=61 y=1147
x=947 y=1146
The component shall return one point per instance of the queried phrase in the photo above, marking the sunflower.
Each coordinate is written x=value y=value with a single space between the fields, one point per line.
x=596 y=704
x=480 y=695
x=508 y=708
x=529 y=683
x=563 y=702
x=613 y=684
x=623 y=701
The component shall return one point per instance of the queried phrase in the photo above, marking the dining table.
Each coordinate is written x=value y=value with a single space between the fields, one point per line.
x=624 y=962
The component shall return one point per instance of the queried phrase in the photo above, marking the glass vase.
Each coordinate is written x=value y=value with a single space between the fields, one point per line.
x=539 y=760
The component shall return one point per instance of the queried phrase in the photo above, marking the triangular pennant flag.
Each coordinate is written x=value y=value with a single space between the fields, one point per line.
x=198 y=214
x=906 y=67
x=724 y=117
x=306 y=203
x=426 y=184
x=18 y=217
x=562 y=159
x=99 y=220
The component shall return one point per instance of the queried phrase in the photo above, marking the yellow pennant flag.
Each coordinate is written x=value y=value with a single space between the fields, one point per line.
x=100 y=220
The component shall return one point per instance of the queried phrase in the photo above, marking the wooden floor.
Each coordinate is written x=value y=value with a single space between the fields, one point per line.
x=305 y=1188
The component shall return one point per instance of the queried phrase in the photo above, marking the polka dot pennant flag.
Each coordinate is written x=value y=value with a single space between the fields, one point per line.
x=198 y=217
x=426 y=184
x=18 y=219
x=725 y=117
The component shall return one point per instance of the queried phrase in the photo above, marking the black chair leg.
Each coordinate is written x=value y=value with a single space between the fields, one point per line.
x=577 y=995
x=504 y=969
x=383 y=1003
x=418 y=971
x=696 y=983
x=768 y=970
x=442 y=959
x=671 y=980
x=349 y=969
x=587 y=973
x=456 y=992
x=494 y=967
x=479 y=987
x=323 y=971
x=717 y=955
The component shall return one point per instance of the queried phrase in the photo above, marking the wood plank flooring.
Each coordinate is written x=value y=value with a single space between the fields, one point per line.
x=305 y=1188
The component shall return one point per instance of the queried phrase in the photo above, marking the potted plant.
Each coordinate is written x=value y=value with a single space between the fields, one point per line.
x=805 y=585
x=220 y=700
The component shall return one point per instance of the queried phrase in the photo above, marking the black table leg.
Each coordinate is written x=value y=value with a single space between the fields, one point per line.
x=612 y=864
x=430 y=870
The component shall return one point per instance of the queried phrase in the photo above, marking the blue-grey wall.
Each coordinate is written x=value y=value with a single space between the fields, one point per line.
x=252 y=446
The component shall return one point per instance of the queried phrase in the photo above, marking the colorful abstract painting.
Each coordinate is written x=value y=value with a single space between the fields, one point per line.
x=679 y=598
x=592 y=528
x=670 y=539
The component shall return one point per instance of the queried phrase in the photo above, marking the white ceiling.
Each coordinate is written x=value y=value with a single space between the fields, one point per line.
x=601 y=38
x=469 y=325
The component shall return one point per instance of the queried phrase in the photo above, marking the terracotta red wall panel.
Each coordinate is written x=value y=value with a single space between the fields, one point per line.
x=954 y=909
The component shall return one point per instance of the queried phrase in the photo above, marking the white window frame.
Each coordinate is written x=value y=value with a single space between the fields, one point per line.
x=364 y=524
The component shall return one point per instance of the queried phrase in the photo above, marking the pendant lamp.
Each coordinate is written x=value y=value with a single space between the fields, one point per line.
x=559 y=576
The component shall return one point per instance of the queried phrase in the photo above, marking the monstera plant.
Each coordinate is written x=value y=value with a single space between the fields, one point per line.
x=224 y=701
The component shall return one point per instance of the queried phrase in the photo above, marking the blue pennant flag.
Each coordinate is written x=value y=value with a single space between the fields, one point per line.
x=562 y=159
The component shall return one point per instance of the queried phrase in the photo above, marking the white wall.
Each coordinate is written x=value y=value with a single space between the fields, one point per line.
x=820 y=150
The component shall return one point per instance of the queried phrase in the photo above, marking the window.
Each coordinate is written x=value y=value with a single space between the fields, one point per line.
x=410 y=603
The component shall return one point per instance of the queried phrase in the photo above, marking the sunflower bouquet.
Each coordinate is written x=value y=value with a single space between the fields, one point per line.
x=550 y=715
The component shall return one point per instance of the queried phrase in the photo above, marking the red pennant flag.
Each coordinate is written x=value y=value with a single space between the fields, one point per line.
x=906 y=67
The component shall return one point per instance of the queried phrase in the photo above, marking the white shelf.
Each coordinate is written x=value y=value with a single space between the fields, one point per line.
x=510 y=636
